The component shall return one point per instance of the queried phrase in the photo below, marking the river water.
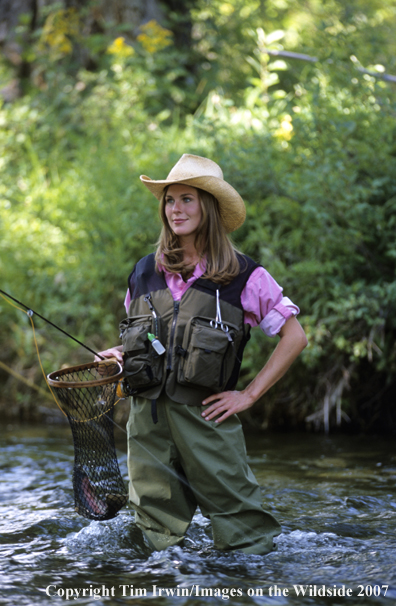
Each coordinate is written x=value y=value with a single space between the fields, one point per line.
x=334 y=496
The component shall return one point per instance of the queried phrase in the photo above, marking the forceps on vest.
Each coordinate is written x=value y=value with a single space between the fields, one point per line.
x=218 y=323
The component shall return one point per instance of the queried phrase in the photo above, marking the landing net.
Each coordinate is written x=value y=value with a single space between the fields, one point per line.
x=88 y=394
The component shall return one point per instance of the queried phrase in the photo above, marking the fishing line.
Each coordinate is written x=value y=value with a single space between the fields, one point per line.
x=30 y=312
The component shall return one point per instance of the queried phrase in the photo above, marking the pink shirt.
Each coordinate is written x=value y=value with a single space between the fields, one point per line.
x=262 y=299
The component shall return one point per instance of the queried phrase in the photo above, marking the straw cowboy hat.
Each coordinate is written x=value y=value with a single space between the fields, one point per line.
x=207 y=175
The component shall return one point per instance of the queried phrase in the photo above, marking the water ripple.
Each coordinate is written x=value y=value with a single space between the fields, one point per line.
x=335 y=499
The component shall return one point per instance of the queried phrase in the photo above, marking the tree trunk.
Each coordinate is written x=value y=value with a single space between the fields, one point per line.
x=179 y=12
x=11 y=11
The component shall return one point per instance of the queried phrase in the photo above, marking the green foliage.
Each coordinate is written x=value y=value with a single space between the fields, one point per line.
x=228 y=37
x=310 y=146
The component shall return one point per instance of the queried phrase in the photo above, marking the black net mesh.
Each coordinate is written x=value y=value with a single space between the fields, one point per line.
x=87 y=394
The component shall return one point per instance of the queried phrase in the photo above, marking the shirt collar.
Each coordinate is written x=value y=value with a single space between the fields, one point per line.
x=199 y=270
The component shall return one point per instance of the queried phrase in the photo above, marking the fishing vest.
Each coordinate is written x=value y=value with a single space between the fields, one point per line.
x=203 y=334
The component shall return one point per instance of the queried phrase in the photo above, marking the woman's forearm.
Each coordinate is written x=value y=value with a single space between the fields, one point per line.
x=292 y=342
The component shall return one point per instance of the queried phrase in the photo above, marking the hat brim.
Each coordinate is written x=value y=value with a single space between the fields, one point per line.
x=231 y=206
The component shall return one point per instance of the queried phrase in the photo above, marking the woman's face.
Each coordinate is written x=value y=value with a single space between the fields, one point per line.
x=183 y=210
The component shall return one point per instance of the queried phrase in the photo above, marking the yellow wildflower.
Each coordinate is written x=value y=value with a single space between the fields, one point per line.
x=58 y=28
x=285 y=131
x=154 y=37
x=120 y=48
x=226 y=9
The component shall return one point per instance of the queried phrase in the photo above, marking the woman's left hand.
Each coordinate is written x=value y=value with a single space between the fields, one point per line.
x=225 y=404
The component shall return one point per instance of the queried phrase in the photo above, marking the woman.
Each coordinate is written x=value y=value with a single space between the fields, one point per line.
x=199 y=297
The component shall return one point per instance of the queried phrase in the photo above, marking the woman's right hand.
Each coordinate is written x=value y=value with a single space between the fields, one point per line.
x=112 y=352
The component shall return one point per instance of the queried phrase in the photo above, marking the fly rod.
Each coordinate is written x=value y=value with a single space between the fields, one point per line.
x=30 y=313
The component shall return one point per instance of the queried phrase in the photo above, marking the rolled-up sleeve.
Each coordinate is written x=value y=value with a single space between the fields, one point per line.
x=264 y=303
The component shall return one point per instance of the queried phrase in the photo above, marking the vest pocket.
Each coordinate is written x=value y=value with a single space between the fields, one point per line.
x=143 y=367
x=207 y=357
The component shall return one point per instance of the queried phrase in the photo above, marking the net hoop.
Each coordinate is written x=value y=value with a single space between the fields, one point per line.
x=59 y=379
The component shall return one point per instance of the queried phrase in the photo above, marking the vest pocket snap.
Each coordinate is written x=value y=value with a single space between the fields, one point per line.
x=143 y=366
x=208 y=358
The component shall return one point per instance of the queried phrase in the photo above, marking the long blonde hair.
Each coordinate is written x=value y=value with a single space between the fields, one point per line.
x=211 y=242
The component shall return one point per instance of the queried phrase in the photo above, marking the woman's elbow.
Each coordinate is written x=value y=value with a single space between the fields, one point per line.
x=302 y=337
x=295 y=334
x=304 y=340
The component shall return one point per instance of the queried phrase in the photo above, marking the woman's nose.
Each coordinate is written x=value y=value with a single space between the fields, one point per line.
x=177 y=206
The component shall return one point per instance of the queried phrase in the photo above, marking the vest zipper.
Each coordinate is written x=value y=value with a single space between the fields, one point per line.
x=176 y=307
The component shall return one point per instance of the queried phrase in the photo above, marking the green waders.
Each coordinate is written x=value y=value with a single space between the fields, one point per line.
x=184 y=461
